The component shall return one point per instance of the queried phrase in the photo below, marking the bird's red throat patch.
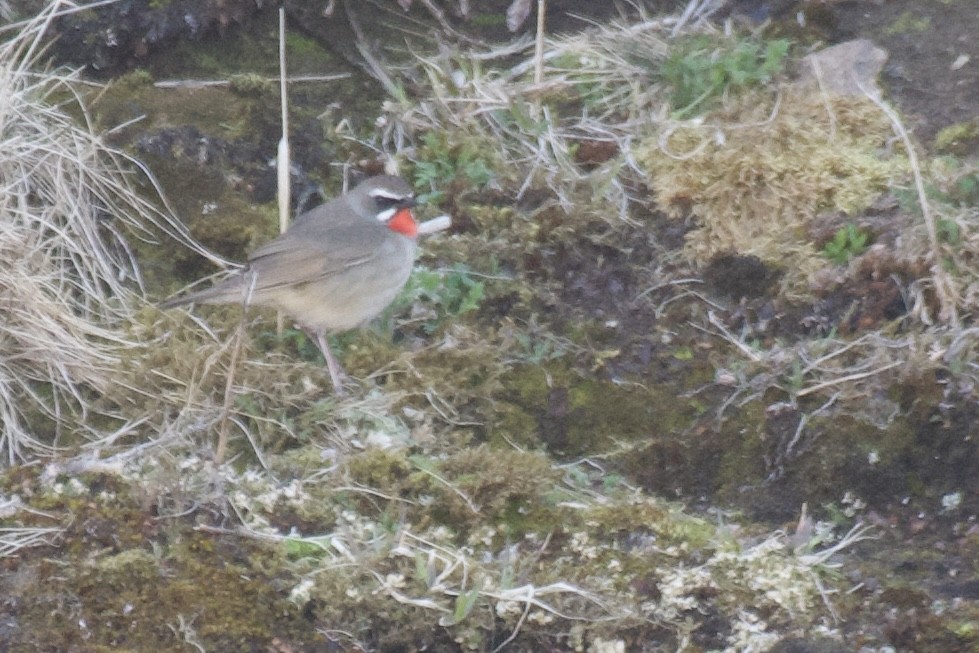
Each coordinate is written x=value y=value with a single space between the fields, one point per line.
x=404 y=223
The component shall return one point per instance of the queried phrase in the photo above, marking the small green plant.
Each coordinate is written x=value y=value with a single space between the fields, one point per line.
x=964 y=190
x=537 y=348
x=445 y=293
x=293 y=340
x=701 y=68
x=948 y=232
x=442 y=163
x=953 y=183
x=847 y=243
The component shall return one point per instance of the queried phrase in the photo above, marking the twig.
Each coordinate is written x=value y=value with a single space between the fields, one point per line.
x=846 y=379
x=372 y=492
x=283 y=159
x=373 y=64
x=943 y=284
x=516 y=628
x=539 y=52
x=208 y=83
x=745 y=349
x=225 y=425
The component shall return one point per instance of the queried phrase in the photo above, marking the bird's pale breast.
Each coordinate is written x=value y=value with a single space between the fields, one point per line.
x=347 y=299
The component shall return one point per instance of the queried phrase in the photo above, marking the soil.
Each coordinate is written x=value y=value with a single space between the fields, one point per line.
x=933 y=70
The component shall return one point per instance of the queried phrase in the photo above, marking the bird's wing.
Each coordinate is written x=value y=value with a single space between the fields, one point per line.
x=310 y=251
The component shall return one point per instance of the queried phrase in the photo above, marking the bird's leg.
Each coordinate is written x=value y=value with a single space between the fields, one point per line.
x=337 y=375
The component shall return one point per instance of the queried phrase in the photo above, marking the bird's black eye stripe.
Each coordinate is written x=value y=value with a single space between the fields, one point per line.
x=384 y=203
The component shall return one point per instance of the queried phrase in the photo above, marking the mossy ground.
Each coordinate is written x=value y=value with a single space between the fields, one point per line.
x=168 y=554
x=495 y=473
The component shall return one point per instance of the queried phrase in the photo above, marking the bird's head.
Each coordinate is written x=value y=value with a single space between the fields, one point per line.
x=389 y=200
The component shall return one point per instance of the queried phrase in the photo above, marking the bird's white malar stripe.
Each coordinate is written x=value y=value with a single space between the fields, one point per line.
x=387 y=214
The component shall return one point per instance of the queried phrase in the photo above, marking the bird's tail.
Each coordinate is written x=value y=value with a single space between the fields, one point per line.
x=229 y=291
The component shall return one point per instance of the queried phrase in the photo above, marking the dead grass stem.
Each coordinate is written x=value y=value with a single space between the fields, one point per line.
x=944 y=288
x=516 y=110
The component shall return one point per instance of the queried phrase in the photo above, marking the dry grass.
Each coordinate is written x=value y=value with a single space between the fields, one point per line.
x=187 y=369
x=598 y=89
x=67 y=275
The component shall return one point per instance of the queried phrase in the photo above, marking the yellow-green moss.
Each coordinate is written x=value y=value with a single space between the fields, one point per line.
x=960 y=138
x=907 y=22
x=139 y=581
x=754 y=179
x=575 y=415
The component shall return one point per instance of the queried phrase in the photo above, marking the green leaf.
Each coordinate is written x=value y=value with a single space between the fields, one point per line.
x=465 y=603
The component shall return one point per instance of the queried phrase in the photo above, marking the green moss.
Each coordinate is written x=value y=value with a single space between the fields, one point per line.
x=960 y=138
x=126 y=597
x=506 y=488
x=482 y=19
x=386 y=471
x=665 y=521
x=516 y=424
x=303 y=46
x=251 y=84
x=576 y=415
x=213 y=110
x=908 y=23
x=755 y=192
x=743 y=448
x=134 y=80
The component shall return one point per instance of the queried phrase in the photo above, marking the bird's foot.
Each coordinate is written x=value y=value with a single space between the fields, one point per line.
x=338 y=377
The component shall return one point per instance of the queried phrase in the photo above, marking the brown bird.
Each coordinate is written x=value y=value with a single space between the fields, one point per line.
x=336 y=268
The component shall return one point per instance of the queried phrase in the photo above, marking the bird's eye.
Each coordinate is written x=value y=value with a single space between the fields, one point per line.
x=384 y=202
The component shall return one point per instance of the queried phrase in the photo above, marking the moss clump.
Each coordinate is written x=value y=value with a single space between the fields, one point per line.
x=576 y=416
x=630 y=518
x=507 y=489
x=959 y=139
x=135 y=577
x=134 y=80
x=754 y=189
x=466 y=549
x=474 y=488
x=908 y=23
x=384 y=471
x=250 y=84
